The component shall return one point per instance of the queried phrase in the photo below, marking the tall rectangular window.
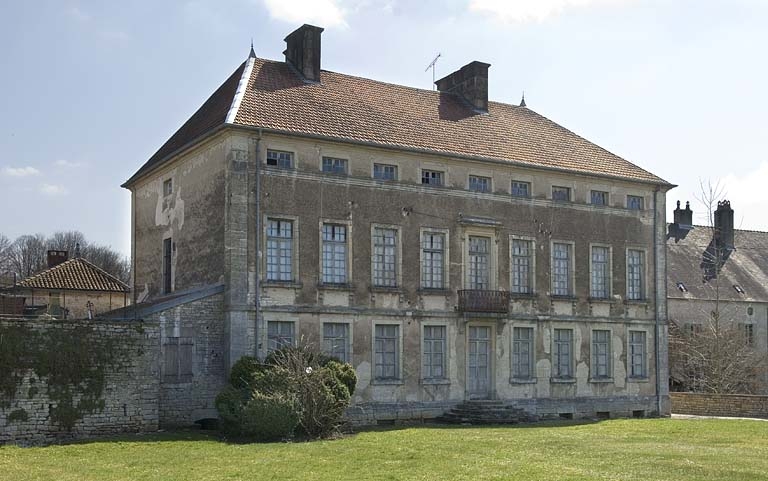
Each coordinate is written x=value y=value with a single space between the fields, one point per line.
x=522 y=353
x=433 y=260
x=336 y=340
x=601 y=354
x=434 y=352
x=167 y=187
x=598 y=197
x=561 y=269
x=748 y=330
x=601 y=273
x=432 y=177
x=279 y=250
x=479 y=263
x=635 y=202
x=479 y=184
x=561 y=194
x=384 y=257
x=563 y=353
x=522 y=266
x=280 y=334
x=334 y=254
x=635 y=274
x=384 y=172
x=387 y=351
x=637 y=354
x=167 y=258
x=520 y=189
x=280 y=159
x=334 y=165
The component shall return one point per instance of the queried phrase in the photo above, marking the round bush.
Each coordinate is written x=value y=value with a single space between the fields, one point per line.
x=345 y=373
x=269 y=417
x=241 y=375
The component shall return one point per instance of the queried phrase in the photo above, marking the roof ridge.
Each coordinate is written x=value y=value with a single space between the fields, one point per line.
x=245 y=78
x=754 y=231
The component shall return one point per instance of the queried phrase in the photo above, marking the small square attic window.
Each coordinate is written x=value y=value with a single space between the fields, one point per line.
x=682 y=287
x=738 y=289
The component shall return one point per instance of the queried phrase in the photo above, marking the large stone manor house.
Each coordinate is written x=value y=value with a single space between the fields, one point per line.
x=447 y=246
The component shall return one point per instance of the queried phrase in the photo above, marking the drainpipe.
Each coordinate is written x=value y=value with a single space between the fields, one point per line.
x=257 y=208
x=657 y=356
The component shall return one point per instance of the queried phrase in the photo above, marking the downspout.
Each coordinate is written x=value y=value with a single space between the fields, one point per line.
x=657 y=356
x=257 y=208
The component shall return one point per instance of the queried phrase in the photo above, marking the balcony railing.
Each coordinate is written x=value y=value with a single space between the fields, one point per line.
x=480 y=300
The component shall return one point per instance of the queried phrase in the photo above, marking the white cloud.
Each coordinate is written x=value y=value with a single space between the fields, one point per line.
x=67 y=163
x=51 y=189
x=521 y=11
x=324 y=13
x=20 y=171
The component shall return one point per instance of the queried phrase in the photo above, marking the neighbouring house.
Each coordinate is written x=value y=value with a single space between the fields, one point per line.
x=67 y=289
x=718 y=268
x=449 y=247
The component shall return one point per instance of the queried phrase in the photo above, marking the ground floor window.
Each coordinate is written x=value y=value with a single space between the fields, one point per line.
x=434 y=352
x=387 y=352
x=336 y=340
x=280 y=334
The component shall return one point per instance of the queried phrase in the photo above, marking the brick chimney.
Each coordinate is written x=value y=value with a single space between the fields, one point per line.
x=724 y=226
x=56 y=257
x=469 y=82
x=303 y=51
x=684 y=217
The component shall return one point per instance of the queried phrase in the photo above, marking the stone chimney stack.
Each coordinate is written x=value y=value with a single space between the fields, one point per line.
x=56 y=257
x=469 y=82
x=684 y=217
x=724 y=226
x=303 y=51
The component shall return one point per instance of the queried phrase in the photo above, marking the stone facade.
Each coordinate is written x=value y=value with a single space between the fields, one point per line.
x=728 y=405
x=76 y=302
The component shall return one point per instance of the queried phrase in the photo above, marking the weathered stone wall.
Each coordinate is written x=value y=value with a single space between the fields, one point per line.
x=729 y=405
x=127 y=399
x=76 y=302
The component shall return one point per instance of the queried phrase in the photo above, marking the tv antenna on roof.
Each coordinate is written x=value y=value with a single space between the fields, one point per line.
x=432 y=66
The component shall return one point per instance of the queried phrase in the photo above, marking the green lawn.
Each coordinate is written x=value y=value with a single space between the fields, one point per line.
x=642 y=449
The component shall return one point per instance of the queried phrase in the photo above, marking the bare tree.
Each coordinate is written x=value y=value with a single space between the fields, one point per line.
x=67 y=241
x=108 y=259
x=28 y=255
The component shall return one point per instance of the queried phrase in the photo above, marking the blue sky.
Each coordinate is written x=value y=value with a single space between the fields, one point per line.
x=92 y=89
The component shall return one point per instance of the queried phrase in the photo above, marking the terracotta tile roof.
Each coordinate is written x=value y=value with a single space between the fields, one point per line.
x=351 y=108
x=75 y=274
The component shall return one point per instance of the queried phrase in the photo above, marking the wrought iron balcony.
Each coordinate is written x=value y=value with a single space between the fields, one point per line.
x=485 y=301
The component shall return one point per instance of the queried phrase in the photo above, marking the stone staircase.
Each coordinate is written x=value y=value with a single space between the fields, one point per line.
x=486 y=412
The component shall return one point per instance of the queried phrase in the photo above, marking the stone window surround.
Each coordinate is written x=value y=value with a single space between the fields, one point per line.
x=265 y=334
x=493 y=258
x=644 y=280
x=489 y=178
x=446 y=379
x=572 y=268
x=350 y=333
x=348 y=224
x=295 y=254
x=648 y=340
x=388 y=163
x=599 y=191
x=609 y=281
x=446 y=257
x=399 y=380
x=592 y=377
x=533 y=379
x=167 y=187
x=532 y=278
x=280 y=151
x=398 y=254
x=575 y=342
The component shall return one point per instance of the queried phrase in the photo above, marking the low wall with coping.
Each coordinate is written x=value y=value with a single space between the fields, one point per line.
x=728 y=405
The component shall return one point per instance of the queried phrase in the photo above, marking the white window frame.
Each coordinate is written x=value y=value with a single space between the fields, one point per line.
x=348 y=225
x=294 y=246
x=609 y=267
x=334 y=160
x=446 y=256
x=571 y=267
x=398 y=351
x=527 y=183
x=398 y=255
x=493 y=255
x=481 y=178
x=294 y=327
x=385 y=165
x=631 y=376
x=531 y=267
x=277 y=165
x=531 y=354
x=644 y=272
x=168 y=187
x=443 y=175
x=348 y=341
x=445 y=378
x=593 y=375
x=556 y=374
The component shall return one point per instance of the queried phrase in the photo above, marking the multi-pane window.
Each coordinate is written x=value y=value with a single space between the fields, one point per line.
x=637 y=354
x=563 y=353
x=167 y=187
x=387 y=351
x=479 y=262
x=433 y=260
x=432 y=177
x=280 y=334
x=434 y=352
x=635 y=274
x=522 y=266
x=334 y=165
x=522 y=352
x=561 y=269
x=634 y=202
x=167 y=265
x=384 y=257
x=521 y=189
x=601 y=273
x=748 y=331
x=334 y=254
x=277 y=158
x=598 y=197
x=601 y=354
x=479 y=184
x=384 y=172
x=336 y=340
x=562 y=194
x=279 y=250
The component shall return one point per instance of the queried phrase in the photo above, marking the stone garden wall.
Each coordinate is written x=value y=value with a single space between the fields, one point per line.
x=728 y=405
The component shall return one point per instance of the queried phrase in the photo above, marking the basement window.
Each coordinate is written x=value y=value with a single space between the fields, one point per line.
x=738 y=289
x=682 y=287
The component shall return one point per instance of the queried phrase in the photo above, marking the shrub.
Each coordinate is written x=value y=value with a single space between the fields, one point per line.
x=241 y=375
x=269 y=417
x=230 y=403
x=345 y=373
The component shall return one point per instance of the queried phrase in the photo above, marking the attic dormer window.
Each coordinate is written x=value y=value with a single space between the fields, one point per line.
x=682 y=287
x=738 y=289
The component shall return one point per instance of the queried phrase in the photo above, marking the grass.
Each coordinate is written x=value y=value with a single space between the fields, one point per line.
x=642 y=449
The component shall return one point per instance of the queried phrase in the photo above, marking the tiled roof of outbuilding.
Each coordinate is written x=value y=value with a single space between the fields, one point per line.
x=75 y=274
x=348 y=108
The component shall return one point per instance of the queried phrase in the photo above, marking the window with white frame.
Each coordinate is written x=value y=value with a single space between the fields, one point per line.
x=563 y=354
x=635 y=274
x=432 y=177
x=522 y=352
x=387 y=351
x=561 y=194
x=384 y=257
x=336 y=340
x=433 y=260
x=479 y=263
x=601 y=273
x=280 y=159
x=434 y=352
x=520 y=189
x=561 y=269
x=167 y=187
x=334 y=254
x=635 y=202
x=522 y=266
x=384 y=172
x=637 y=354
x=280 y=334
x=334 y=165
x=479 y=184
x=601 y=354
x=598 y=197
x=279 y=250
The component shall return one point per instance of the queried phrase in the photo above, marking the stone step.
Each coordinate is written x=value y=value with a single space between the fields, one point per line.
x=485 y=412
